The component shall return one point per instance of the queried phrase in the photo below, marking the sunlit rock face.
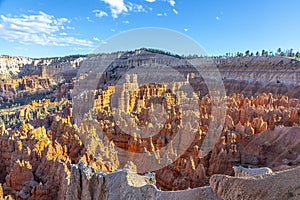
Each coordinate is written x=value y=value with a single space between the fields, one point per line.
x=46 y=154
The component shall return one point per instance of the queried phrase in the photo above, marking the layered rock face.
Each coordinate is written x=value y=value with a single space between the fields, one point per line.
x=11 y=66
x=25 y=79
x=254 y=75
x=51 y=148
x=10 y=90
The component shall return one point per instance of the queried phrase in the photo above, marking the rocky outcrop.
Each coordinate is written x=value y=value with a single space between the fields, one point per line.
x=253 y=125
x=124 y=184
x=35 y=163
x=244 y=172
x=267 y=149
x=281 y=185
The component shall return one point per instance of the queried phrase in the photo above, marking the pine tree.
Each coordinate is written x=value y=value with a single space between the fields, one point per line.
x=238 y=54
x=282 y=54
x=247 y=53
x=264 y=53
x=291 y=53
x=279 y=51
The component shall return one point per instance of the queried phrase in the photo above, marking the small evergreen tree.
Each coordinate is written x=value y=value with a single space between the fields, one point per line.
x=291 y=53
x=264 y=53
x=247 y=53
x=279 y=51
x=282 y=54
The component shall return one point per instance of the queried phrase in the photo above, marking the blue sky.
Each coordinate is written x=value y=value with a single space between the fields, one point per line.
x=46 y=28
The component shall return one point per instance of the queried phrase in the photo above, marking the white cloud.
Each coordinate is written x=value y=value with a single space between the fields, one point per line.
x=77 y=48
x=90 y=20
x=61 y=21
x=32 y=24
x=172 y=2
x=42 y=29
x=100 y=13
x=96 y=39
x=175 y=11
x=70 y=28
x=135 y=7
x=151 y=1
x=162 y=14
x=116 y=7
x=125 y=22
x=186 y=29
x=218 y=18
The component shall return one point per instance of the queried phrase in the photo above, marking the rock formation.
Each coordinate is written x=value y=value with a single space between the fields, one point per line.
x=282 y=185
x=51 y=148
x=244 y=172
